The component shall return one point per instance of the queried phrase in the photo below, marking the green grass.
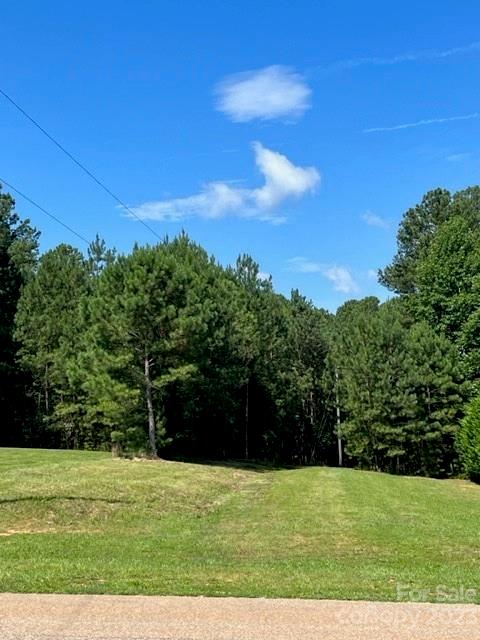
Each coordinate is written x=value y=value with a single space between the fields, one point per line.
x=82 y=522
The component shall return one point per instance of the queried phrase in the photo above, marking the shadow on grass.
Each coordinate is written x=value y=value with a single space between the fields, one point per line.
x=52 y=498
x=246 y=465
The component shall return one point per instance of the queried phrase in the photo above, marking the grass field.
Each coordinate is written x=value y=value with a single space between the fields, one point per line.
x=81 y=522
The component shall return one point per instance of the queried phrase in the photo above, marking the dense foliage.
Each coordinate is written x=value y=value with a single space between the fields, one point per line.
x=402 y=389
x=18 y=252
x=468 y=440
x=165 y=351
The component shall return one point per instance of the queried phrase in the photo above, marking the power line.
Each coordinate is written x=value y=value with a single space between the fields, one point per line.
x=79 y=164
x=50 y=215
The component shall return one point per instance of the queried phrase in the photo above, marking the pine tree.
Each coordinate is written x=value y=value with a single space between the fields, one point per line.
x=437 y=381
x=151 y=331
x=48 y=328
x=437 y=268
x=401 y=390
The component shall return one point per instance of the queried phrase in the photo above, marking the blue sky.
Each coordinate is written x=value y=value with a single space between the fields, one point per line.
x=244 y=123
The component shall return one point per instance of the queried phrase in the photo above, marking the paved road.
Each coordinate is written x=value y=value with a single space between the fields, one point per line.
x=70 y=617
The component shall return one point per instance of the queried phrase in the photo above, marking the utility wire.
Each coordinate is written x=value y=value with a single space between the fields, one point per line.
x=79 y=164
x=50 y=215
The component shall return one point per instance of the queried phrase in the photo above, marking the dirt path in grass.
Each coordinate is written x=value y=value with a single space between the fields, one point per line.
x=92 y=617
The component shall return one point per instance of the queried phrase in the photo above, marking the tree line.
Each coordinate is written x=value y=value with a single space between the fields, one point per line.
x=165 y=351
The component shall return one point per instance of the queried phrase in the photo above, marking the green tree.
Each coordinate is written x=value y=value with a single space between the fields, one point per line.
x=448 y=289
x=415 y=233
x=437 y=381
x=401 y=389
x=308 y=411
x=99 y=256
x=18 y=254
x=48 y=328
x=154 y=331
x=437 y=268
x=468 y=440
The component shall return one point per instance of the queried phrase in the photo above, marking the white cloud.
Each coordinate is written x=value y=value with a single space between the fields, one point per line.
x=372 y=274
x=282 y=178
x=374 y=220
x=421 y=123
x=266 y=94
x=428 y=54
x=342 y=279
x=340 y=276
x=283 y=181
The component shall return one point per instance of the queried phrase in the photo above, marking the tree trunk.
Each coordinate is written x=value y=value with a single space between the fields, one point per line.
x=151 y=415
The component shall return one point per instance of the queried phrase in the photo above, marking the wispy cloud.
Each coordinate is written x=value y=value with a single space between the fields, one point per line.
x=372 y=274
x=421 y=123
x=374 y=220
x=414 y=56
x=458 y=157
x=340 y=276
x=266 y=94
x=299 y=264
x=282 y=181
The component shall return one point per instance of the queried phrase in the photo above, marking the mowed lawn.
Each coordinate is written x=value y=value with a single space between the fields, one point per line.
x=82 y=522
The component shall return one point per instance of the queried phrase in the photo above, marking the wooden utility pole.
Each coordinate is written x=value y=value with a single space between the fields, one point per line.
x=337 y=405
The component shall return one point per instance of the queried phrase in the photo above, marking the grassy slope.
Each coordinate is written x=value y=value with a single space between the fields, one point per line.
x=85 y=523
